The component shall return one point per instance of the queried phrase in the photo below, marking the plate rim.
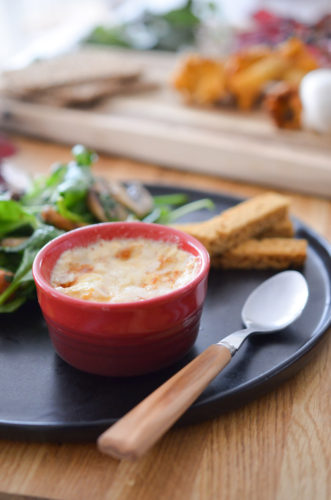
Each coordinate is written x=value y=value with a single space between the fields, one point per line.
x=193 y=414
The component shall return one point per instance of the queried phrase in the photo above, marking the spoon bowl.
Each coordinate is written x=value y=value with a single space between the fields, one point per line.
x=276 y=303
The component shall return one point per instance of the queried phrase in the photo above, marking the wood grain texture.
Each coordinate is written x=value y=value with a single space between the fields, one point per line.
x=275 y=448
x=134 y=434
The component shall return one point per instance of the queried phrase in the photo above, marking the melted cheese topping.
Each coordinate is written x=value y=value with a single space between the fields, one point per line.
x=123 y=270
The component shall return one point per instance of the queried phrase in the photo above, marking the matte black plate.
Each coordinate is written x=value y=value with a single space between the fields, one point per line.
x=44 y=399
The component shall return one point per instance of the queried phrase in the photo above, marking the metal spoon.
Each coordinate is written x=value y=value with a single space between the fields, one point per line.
x=272 y=306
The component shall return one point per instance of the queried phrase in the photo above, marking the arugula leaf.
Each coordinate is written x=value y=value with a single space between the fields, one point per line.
x=22 y=283
x=170 y=199
x=43 y=188
x=83 y=156
x=9 y=260
x=13 y=305
x=163 y=212
x=14 y=216
x=66 y=188
x=173 y=215
x=70 y=196
x=154 y=215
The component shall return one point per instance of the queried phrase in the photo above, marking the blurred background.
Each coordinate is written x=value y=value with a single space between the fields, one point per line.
x=176 y=82
x=43 y=28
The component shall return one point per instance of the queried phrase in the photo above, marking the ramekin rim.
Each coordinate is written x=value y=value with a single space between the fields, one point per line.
x=94 y=305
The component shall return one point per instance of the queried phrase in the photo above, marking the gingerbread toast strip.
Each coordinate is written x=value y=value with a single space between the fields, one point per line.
x=282 y=229
x=239 y=223
x=205 y=231
x=248 y=219
x=273 y=253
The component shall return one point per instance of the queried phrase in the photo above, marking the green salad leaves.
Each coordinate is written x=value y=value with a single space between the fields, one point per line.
x=65 y=189
x=14 y=216
x=70 y=196
x=21 y=286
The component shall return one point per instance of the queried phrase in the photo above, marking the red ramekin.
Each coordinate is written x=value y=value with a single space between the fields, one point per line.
x=121 y=339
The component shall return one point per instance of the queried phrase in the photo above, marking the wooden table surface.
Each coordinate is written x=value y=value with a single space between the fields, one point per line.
x=275 y=448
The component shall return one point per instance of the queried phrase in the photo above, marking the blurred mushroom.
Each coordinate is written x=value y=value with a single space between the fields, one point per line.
x=133 y=195
x=103 y=205
x=13 y=181
x=5 y=279
x=51 y=216
x=13 y=242
x=284 y=105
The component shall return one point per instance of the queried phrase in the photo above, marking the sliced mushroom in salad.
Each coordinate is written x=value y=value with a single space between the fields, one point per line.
x=69 y=197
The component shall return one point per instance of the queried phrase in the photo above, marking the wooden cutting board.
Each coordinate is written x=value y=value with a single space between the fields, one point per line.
x=156 y=126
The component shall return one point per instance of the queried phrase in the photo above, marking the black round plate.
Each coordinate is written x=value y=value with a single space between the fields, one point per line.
x=44 y=399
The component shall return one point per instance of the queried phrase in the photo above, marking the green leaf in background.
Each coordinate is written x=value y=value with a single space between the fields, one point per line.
x=71 y=194
x=66 y=188
x=183 y=17
x=83 y=156
x=14 y=216
x=173 y=215
x=115 y=36
x=164 y=213
x=171 y=30
x=154 y=215
x=175 y=199
x=43 y=188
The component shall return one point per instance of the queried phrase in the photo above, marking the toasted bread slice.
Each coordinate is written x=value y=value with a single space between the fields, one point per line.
x=239 y=223
x=282 y=229
x=274 y=253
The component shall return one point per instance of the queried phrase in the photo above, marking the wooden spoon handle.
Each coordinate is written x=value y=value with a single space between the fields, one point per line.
x=132 y=435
